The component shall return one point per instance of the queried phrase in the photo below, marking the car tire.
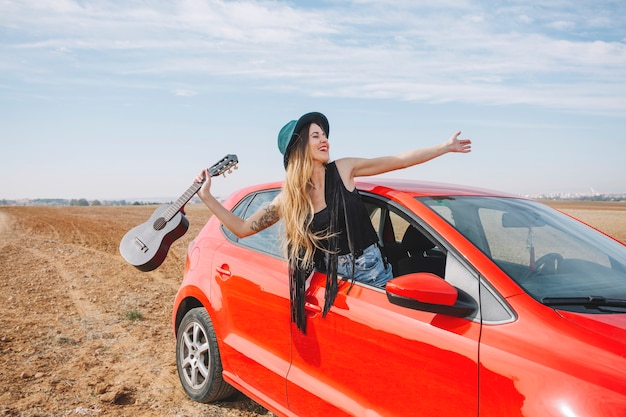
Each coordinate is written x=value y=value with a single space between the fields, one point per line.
x=198 y=359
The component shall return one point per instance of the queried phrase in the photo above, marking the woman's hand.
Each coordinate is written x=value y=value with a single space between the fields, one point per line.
x=454 y=144
x=205 y=190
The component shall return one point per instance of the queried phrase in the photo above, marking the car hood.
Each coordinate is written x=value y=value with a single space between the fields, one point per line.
x=612 y=326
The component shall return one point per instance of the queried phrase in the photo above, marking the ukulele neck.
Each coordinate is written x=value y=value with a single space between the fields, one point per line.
x=178 y=205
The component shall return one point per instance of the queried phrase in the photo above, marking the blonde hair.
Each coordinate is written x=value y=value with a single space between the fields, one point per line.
x=297 y=209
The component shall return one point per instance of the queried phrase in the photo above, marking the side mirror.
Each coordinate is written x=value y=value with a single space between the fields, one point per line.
x=427 y=292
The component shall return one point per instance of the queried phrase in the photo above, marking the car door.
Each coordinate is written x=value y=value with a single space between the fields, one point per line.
x=369 y=357
x=252 y=281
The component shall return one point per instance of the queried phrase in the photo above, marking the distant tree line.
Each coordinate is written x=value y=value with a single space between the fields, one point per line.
x=195 y=199
x=73 y=202
x=603 y=197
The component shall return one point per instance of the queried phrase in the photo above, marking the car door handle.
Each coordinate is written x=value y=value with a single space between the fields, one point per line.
x=313 y=308
x=223 y=271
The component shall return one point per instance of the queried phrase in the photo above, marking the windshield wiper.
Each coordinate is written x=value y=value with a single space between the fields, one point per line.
x=592 y=301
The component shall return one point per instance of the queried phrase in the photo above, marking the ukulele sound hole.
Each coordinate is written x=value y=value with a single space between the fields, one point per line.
x=159 y=223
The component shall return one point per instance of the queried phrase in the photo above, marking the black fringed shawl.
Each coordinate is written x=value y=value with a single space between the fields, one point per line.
x=338 y=201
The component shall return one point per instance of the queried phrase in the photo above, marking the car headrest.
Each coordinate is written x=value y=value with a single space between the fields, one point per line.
x=415 y=242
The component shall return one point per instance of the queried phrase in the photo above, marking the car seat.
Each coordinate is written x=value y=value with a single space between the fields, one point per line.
x=422 y=255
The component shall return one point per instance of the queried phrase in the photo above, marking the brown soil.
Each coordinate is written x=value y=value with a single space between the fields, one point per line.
x=606 y=216
x=70 y=340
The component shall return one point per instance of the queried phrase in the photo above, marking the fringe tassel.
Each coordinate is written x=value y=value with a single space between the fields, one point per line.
x=331 y=282
x=297 y=283
x=332 y=255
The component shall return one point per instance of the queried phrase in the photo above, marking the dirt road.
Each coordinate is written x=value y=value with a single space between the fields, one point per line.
x=83 y=333
x=71 y=341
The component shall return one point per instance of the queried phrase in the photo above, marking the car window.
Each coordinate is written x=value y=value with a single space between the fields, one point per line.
x=405 y=244
x=553 y=257
x=410 y=247
x=266 y=241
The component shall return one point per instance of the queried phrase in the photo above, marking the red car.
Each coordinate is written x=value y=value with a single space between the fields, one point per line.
x=499 y=306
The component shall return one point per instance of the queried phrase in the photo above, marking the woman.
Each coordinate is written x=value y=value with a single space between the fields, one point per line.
x=326 y=224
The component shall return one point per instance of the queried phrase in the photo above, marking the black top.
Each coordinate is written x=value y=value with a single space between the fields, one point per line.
x=359 y=225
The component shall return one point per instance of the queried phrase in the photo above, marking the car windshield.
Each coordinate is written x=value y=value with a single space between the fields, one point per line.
x=554 y=258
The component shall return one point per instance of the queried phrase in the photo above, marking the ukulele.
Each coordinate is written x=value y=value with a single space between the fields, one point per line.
x=146 y=246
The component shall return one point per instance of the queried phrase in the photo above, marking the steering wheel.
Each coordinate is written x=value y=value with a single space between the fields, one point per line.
x=547 y=264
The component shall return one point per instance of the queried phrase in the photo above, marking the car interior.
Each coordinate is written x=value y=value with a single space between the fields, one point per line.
x=407 y=247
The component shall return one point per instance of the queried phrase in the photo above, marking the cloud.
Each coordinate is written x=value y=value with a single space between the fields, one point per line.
x=184 y=93
x=561 y=56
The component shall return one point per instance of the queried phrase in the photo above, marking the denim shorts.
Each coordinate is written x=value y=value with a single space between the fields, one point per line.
x=369 y=268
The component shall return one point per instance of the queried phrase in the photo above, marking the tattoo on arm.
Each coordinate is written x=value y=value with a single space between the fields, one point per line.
x=267 y=219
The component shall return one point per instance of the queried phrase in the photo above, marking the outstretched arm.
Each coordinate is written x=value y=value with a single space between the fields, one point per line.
x=362 y=167
x=260 y=220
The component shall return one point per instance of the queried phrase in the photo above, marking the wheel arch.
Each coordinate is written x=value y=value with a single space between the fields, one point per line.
x=184 y=307
x=187 y=299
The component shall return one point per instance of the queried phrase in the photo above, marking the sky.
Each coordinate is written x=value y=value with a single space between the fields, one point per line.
x=130 y=99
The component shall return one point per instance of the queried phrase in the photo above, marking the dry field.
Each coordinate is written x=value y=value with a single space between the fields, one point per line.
x=607 y=216
x=70 y=340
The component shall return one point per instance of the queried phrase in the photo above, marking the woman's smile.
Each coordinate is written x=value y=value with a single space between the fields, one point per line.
x=318 y=143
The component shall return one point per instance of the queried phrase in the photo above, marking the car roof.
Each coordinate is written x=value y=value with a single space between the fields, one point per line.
x=415 y=188
x=425 y=188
